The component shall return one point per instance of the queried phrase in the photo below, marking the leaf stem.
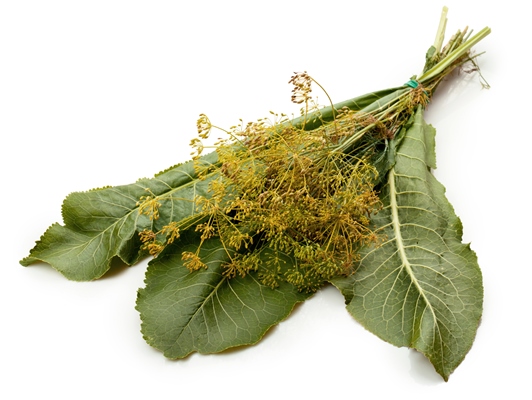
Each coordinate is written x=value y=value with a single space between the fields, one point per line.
x=440 y=34
x=453 y=56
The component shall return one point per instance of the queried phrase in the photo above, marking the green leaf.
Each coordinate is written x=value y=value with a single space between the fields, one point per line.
x=203 y=311
x=422 y=287
x=103 y=223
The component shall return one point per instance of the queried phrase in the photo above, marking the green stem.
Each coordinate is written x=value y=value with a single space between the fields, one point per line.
x=453 y=56
x=440 y=35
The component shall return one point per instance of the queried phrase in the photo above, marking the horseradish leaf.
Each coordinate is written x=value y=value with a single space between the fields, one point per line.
x=104 y=223
x=421 y=287
x=205 y=311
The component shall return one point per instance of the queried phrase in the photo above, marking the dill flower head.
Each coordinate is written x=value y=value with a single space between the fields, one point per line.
x=302 y=87
x=284 y=191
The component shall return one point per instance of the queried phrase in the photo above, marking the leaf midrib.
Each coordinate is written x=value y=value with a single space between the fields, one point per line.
x=396 y=224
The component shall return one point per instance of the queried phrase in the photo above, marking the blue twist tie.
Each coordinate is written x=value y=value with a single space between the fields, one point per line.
x=412 y=83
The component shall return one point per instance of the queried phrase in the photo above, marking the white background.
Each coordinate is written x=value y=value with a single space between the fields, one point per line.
x=96 y=93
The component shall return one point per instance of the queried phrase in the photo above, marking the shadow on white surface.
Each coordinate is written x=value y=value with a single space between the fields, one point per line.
x=422 y=370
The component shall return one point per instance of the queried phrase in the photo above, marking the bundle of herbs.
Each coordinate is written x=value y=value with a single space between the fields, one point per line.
x=342 y=194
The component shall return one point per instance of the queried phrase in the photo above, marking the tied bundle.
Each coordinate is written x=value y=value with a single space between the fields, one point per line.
x=342 y=194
